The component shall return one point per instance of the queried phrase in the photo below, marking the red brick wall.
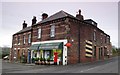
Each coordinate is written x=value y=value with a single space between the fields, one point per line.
x=73 y=35
x=22 y=47
x=62 y=32
x=86 y=33
x=59 y=32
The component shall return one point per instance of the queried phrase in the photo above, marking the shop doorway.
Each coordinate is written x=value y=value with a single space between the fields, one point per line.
x=52 y=56
x=29 y=56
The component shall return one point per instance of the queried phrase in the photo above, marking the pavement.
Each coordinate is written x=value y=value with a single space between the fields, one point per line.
x=106 y=66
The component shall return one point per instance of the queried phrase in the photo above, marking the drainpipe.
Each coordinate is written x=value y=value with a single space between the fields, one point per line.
x=31 y=44
x=79 y=43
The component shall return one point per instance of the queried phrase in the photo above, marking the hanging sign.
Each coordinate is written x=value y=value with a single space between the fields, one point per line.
x=68 y=44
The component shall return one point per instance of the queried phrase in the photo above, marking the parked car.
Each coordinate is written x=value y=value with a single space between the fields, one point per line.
x=6 y=58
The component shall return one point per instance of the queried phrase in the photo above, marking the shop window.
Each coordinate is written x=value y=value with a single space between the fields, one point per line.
x=52 y=33
x=35 y=54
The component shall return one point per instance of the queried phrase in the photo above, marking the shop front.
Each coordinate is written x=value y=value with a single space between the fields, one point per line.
x=49 y=52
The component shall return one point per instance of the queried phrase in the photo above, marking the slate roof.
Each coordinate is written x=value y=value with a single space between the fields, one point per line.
x=24 y=30
x=57 y=15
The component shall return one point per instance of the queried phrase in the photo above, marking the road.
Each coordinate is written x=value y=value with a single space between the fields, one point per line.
x=0 y=66
x=107 y=66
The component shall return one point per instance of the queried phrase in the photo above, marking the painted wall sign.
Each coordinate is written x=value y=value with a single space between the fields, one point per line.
x=88 y=48
x=47 y=46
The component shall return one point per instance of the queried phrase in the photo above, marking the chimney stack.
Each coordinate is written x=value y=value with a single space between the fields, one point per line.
x=79 y=16
x=24 y=25
x=34 y=20
x=44 y=16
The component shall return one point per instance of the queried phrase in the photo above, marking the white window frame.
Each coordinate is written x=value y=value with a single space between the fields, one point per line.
x=24 y=39
x=94 y=36
x=15 y=53
x=29 y=38
x=93 y=23
x=101 y=38
x=15 y=39
x=108 y=40
x=39 y=33
x=52 y=32
x=19 y=40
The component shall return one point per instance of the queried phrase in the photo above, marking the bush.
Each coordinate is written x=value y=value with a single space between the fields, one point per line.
x=36 y=59
x=33 y=60
x=23 y=59
x=44 y=59
x=48 y=59
x=41 y=59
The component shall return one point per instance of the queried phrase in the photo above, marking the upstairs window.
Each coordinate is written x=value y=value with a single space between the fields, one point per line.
x=18 y=40
x=15 y=39
x=101 y=38
x=23 y=39
x=105 y=39
x=52 y=33
x=39 y=33
x=94 y=36
x=29 y=38
x=108 y=40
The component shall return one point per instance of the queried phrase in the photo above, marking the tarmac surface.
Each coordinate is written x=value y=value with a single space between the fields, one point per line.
x=106 y=66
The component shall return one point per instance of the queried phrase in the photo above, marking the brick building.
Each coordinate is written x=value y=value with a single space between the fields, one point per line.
x=73 y=38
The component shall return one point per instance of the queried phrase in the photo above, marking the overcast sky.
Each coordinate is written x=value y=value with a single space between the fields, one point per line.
x=13 y=14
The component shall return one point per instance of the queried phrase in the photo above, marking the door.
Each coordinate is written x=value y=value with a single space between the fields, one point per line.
x=29 y=56
x=99 y=53
x=18 y=55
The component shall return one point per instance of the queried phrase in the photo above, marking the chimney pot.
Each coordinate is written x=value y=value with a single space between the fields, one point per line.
x=34 y=20
x=44 y=16
x=24 y=25
x=79 y=16
x=79 y=12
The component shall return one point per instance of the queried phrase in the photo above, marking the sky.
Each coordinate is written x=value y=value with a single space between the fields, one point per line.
x=14 y=13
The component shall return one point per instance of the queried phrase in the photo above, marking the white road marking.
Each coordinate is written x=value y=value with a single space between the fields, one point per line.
x=89 y=69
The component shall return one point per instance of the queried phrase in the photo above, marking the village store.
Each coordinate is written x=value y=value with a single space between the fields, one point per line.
x=52 y=52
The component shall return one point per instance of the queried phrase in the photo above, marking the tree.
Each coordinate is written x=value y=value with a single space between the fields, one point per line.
x=5 y=51
x=114 y=51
